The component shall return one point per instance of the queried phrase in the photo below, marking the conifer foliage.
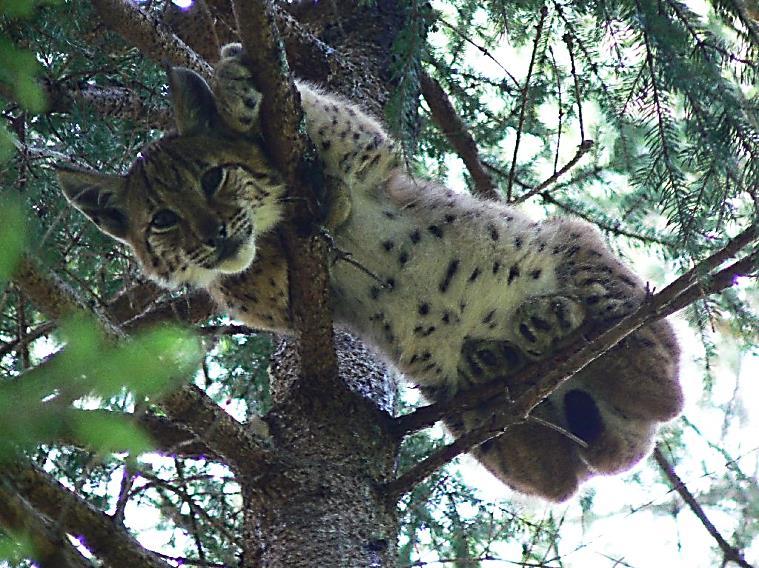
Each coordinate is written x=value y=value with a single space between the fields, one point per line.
x=140 y=427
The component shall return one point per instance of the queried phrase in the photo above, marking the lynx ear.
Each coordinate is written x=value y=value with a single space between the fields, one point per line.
x=99 y=196
x=193 y=102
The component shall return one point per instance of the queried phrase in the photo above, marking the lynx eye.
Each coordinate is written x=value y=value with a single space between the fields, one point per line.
x=164 y=220
x=211 y=180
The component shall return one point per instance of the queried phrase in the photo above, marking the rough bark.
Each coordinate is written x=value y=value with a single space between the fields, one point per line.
x=325 y=506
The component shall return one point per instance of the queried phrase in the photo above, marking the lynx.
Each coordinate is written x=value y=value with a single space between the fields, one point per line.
x=456 y=291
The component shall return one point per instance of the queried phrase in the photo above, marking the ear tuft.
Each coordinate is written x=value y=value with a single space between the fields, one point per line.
x=193 y=101
x=99 y=196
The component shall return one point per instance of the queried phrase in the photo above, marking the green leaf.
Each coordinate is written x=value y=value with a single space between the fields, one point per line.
x=108 y=434
x=11 y=235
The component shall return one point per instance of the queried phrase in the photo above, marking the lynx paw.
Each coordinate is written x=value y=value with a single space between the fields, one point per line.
x=483 y=360
x=543 y=321
x=238 y=101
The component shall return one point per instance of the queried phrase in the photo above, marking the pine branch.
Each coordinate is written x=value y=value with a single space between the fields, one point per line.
x=731 y=553
x=295 y=157
x=108 y=540
x=454 y=129
x=560 y=367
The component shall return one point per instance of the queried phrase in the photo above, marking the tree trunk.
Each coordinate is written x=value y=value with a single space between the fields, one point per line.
x=322 y=505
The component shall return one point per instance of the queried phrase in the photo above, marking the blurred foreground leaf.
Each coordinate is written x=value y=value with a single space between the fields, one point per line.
x=11 y=235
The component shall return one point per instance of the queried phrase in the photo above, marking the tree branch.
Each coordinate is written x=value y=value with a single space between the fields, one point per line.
x=50 y=547
x=154 y=38
x=169 y=437
x=107 y=539
x=525 y=98
x=295 y=157
x=193 y=408
x=560 y=367
x=584 y=147
x=454 y=129
x=188 y=405
x=731 y=553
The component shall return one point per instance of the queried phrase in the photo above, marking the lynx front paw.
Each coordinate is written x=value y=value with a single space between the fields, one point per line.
x=541 y=322
x=483 y=360
x=238 y=101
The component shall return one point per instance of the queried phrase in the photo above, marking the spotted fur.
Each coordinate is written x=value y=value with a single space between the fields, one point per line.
x=464 y=291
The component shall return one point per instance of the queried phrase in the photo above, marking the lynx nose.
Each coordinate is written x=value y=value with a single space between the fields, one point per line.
x=217 y=236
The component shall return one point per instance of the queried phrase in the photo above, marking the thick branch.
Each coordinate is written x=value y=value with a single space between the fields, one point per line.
x=559 y=368
x=295 y=157
x=189 y=405
x=454 y=129
x=51 y=549
x=107 y=539
x=53 y=297
x=112 y=101
x=731 y=553
x=194 y=26
x=154 y=38
x=169 y=437
x=196 y=410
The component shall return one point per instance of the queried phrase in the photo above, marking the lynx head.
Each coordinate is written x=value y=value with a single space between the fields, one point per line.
x=192 y=203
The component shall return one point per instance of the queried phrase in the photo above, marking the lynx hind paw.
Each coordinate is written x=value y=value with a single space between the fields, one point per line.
x=238 y=100
x=638 y=377
x=483 y=360
x=615 y=442
x=536 y=460
x=542 y=322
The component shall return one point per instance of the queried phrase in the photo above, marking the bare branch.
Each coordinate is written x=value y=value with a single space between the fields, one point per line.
x=189 y=405
x=454 y=129
x=169 y=437
x=584 y=147
x=525 y=99
x=193 y=408
x=107 y=101
x=731 y=553
x=194 y=26
x=54 y=297
x=107 y=539
x=295 y=157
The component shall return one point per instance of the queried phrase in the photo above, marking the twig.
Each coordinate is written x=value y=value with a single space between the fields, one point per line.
x=731 y=553
x=482 y=50
x=454 y=129
x=584 y=147
x=569 y=41
x=525 y=98
x=561 y=109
